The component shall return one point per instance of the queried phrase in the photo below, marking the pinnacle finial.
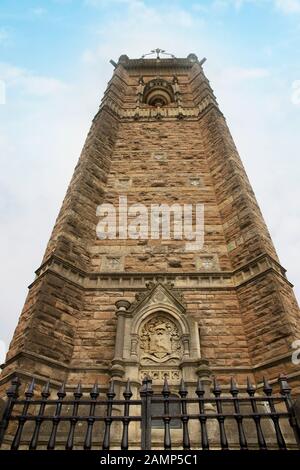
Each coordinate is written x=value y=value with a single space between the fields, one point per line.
x=158 y=53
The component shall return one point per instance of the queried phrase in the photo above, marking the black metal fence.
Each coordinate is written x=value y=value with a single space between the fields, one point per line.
x=208 y=419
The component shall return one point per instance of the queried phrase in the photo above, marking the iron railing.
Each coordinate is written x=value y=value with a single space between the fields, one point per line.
x=256 y=421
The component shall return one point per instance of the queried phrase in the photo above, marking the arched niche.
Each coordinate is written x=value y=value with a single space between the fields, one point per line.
x=158 y=92
x=173 y=349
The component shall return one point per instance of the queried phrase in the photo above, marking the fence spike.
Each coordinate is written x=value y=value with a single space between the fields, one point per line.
x=16 y=381
x=127 y=392
x=62 y=391
x=267 y=387
x=94 y=393
x=200 y=389
x=285 y=389
x=30 y=391
x=250 y=387
x=14 y=386
x=46 y=390
x=234 y=390
x=216 y=387
x=78 y=392
x=111 y=390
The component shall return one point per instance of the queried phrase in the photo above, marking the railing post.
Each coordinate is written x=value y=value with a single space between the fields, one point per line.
x=126 y=419
x=220 y=417
x=56 y=418
x=184 y=416
x=39 y=418
x=296 y=410
x=108 y=420
x=292 y=408
x=23 y=417
x=166 y=418
x=238 y=415
x=91 y=419
x=12 y=395
x=200 y=392
x=274 y=416
x=146 y=393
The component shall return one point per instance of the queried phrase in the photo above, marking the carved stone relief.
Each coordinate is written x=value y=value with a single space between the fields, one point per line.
x=207 y=262
x=161 y=374
x=160 y=341
x=112 y=263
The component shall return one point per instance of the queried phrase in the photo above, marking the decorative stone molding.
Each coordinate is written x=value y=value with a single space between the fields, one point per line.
x=142 y=111
x=155 y=332
x=160 y=341
x=159 y=294
x=158 y=92
x=136 y=281
x=160 y=375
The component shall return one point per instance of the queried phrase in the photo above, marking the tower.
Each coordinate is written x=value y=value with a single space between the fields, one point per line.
x=125 y=307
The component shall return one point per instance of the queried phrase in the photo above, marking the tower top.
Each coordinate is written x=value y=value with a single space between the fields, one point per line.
x=168 y=60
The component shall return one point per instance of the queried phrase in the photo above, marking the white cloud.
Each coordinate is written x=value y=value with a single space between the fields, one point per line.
x=295 y=97
x=240 y=73
x=172 y=28
x=38 y=11
x=28 y=82
x=2 y=92
x=40 y=86
x=9 y=72
x=285 y=6
x=288 y=6
x=221 y=4
x=106 y=3
x=40 y=142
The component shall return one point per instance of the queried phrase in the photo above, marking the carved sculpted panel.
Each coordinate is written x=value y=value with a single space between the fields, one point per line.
x=160 y=341
x=157 y=374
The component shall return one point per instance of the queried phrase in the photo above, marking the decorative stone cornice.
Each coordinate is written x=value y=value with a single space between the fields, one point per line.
x=161 y=63
x=150 y=112
x=181 y=280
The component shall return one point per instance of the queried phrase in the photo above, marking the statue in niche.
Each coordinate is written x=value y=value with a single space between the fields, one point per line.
x=160 y=339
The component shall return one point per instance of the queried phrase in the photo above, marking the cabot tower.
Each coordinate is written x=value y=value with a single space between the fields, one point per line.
x=124 y=308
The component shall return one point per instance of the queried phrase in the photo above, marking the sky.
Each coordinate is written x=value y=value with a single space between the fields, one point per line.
x=54 y=67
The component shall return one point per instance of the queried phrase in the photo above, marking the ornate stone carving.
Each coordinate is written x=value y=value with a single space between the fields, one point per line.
x=160 y=341
x=154 y=295
x=150 y=112
x=158 y=92
x=158 y=374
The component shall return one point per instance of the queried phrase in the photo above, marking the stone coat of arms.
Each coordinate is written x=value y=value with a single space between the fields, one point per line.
x=160 y=340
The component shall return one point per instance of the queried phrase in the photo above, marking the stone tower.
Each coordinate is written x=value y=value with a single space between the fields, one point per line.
x=124 y=307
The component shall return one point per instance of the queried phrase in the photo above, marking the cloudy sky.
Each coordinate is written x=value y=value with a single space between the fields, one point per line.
x=54 y=66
